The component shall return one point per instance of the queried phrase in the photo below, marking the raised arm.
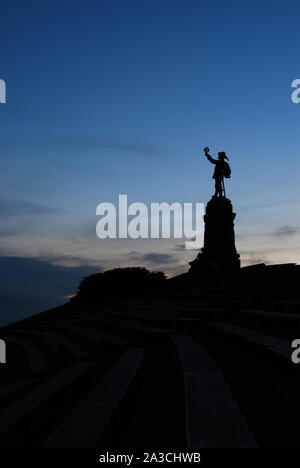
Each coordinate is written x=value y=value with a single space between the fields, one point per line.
x=212 y=160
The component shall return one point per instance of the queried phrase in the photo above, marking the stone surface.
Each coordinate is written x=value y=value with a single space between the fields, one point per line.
x=219 y=252
x=213 y=417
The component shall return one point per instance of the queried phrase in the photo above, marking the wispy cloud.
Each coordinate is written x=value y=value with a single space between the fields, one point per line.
x=78 y=143
x=247 y=208
x=179 y=247
x=157 y=258
x=150 y=258
x=286 y=231
x=254 y=260
x=12 y=208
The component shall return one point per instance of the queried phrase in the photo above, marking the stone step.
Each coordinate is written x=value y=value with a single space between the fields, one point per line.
x=271 y=315
x=11 y=415
x=286 y=306
x=44 y=341
x=275 y=345
x=171 y=312
x=85 y=426
x=12 y=388
x=98 y=336
x=72 y=347
x=36 y=360
x=213 y=418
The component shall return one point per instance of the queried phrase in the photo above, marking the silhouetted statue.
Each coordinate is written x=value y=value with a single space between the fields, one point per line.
x=219 y=252
x=222 y=170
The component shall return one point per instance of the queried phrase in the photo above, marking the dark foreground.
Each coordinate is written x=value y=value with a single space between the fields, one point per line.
x=205 y=363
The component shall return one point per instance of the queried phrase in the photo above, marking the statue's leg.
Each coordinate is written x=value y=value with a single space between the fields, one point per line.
x=223 y=188
x=218 y=188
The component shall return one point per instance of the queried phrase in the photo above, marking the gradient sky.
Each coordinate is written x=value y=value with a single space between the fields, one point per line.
x=116 y=97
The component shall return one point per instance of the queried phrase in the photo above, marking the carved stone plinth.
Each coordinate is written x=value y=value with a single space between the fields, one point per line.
x=219 y=252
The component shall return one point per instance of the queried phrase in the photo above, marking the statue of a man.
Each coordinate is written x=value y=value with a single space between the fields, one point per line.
x=222 y=170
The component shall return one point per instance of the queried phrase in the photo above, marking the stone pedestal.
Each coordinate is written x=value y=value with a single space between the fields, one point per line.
x=219 y=253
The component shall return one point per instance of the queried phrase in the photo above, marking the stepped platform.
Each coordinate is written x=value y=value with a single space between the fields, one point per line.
x=188 y=343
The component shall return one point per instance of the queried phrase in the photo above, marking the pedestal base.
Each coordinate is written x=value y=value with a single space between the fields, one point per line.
x=219 y=252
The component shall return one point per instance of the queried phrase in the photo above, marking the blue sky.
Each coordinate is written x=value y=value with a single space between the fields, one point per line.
x=112 y=97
